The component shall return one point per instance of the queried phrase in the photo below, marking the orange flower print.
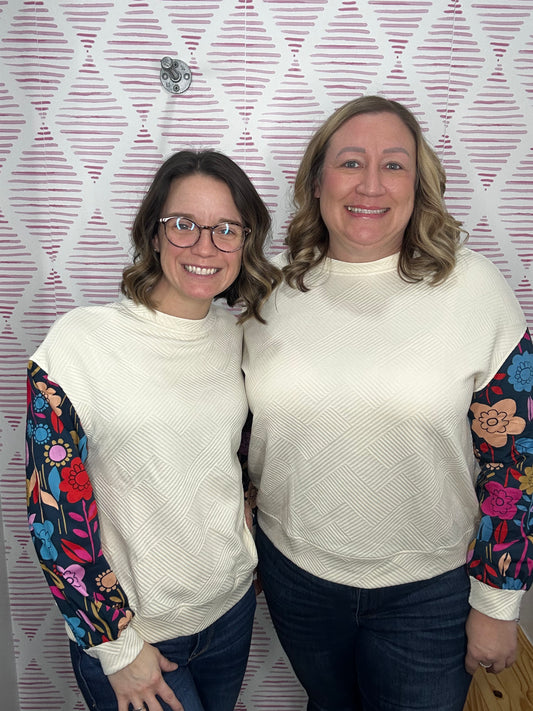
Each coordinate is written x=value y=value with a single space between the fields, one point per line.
x=107 y=581
x=124 y=621
x=50 y=394
x=494 y=423
x=76 y=482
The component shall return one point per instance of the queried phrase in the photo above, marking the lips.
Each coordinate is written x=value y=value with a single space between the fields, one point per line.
x=200 y=271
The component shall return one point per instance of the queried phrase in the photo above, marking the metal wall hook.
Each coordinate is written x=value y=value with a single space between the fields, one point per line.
x=175 y=75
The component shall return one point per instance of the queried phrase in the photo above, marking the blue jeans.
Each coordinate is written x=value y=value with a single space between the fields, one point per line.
x=386 y=649
x=211 y=668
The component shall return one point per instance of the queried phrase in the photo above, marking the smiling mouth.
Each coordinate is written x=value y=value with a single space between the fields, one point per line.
x=201 y=271
x=365 y=211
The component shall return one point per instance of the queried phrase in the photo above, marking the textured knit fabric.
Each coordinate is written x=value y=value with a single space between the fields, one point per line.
x=151 y=407
x=361 y=444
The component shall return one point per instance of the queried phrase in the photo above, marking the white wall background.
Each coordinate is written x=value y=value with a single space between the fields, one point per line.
x=84 y=122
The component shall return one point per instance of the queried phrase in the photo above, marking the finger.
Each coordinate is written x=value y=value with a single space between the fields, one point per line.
x=169 y=697
x=166 y=665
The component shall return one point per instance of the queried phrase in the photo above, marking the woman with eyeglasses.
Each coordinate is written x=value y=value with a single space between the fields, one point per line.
x=135 y=413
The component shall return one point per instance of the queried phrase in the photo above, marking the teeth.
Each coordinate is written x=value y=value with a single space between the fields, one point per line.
x=361 y=211
x=202 y=271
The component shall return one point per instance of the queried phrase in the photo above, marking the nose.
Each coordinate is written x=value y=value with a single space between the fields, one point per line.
x=204 y=247
x=371 y=181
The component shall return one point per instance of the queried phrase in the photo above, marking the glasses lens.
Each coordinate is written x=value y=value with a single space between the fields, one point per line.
x=228 y=236
x=181 y=231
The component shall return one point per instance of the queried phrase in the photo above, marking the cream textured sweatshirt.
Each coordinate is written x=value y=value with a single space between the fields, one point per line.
x=161 y=401
x=361 y=445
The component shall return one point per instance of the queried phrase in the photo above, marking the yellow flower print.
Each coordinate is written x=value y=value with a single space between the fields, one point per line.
x=526 y=481
x=50 y=394
x=57 y=453
x=494 y=423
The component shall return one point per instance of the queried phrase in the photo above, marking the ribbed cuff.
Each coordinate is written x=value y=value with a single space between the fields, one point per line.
x=118 y=653
x=495 y=602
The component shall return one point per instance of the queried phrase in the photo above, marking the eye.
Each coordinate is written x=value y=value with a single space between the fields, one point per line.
x=351 y=163
x=183 y=224
x=226 y=229
x=394 y=166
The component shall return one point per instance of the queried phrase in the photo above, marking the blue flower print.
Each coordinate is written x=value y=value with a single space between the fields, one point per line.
x=44 y=532
x=512 y=584
x=74 y=625
x=41 y=433
x=520 y=372
x=29 y=429
x=40 y=403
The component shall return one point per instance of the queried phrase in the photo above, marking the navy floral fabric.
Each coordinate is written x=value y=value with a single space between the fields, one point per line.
x=501 y=418
x=63 y=517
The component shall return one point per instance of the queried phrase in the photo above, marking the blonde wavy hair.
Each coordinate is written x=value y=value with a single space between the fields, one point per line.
x=257 y=276
x=432 y=236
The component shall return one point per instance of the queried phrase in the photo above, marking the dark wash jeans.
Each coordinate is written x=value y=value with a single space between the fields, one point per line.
x=398 y=648
x=211 y=668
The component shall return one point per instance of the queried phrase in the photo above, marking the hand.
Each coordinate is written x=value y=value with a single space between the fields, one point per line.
x=490 y=641
x=140 y=681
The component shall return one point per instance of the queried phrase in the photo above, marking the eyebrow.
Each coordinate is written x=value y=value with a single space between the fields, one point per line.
x=358 y=149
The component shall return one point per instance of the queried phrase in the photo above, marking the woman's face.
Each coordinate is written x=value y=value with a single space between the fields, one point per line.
x=367 y=187
x=193 y=276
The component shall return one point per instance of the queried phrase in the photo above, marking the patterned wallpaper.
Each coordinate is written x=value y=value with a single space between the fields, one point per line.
x=84 y=122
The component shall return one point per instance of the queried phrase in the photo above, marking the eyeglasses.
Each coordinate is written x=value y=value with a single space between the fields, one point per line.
x=182 y=232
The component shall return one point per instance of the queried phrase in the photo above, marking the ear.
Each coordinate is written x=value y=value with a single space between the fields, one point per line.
x=317 y=190
x=155 y=243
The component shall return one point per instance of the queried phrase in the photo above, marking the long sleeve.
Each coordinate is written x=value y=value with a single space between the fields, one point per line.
x=500 y=558
x=63 y=517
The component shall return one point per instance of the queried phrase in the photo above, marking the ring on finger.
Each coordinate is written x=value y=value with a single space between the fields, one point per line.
x=481 y=664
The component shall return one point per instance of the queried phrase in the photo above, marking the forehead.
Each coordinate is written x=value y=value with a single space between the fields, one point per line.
x=200 y=191
x=378 y=131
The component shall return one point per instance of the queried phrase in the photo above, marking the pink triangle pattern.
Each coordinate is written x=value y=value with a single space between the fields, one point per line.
x=135 y=51
x=97 y=262
x=87 y=20
x=244 y=70
x=13 y=123
x=91 y=120
x=347 y=59
x=132 y=179
x=400 y=21
x=492 y=128
x=45 y=192
x=50 y=301
x=192 y=20
x=482 y=239
x=296 y=21
x=502 y=21
x=37 y=54
x=17 y=267
x=448 y=62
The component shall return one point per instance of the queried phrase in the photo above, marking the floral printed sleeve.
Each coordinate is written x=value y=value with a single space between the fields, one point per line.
x=63 y=517
x=501 y=556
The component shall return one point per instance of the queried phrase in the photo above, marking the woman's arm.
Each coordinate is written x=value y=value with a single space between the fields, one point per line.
x=63 y=517
x=500 y=559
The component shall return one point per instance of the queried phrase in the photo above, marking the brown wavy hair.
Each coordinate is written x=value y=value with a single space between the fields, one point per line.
x=432 y=236
x=257 y=276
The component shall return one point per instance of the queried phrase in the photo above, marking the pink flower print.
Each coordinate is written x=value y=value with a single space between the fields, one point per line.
x=501 y=502
x=494 y=423
x=74 y=576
